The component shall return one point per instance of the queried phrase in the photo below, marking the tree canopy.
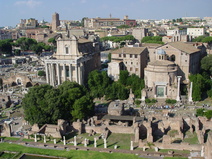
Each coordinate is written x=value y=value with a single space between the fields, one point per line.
x=6 y=46
x=45 y=104
x=117 y=38
x=204 y=39
x=152 y=39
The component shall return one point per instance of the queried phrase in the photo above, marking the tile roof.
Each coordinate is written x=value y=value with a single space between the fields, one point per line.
x=185 y=47
x=129 y=50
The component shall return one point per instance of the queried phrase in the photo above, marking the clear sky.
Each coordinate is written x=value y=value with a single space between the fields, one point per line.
x=11 y=11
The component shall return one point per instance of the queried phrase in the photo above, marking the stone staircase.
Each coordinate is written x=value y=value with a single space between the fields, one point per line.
x=161 y=102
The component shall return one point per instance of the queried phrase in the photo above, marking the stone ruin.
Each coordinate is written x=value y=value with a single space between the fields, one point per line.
x=55 y=131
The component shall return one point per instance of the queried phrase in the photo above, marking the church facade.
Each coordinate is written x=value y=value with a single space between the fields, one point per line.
x=74 y=59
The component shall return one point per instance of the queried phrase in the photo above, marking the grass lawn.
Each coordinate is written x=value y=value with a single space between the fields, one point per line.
x=191 y=138
x=73 y=154
x=7 y=155
x=177 y=151
x=121 y=140
x=175 y=158
x=10 y=138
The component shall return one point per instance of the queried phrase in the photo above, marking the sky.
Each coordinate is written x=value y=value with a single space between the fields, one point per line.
x=11 y=11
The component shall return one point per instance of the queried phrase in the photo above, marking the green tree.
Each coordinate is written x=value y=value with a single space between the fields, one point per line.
x=52 y=41
x=98 y=82
x=152 y=39
x=206 y=64
x=25 y=43
x=208 y=114
x=198 y=39
x=41 y=73
x=5 y=46
x=45 y=104
x=199 y=84
x=109 y=57
x=124 y=74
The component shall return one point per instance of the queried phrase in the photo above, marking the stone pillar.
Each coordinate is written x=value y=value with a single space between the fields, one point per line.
x=55 y=141
x=178 y=88
x=85 y=143
x=156 y=149
x=75 y=141
x=115 y=147
x=131 y=145
x=64 y=140
x=202 y=151
x=70 y=72
x=64 y=72
x=58 y=74
x=50 y=74
x=35 y=138
x=47 y=73
x=95 y=144
x=76 y=73
x=190 y=92
x=53 y=74
x=144 y=148
x=44 y=138
x=79 y=75
x=105 y=143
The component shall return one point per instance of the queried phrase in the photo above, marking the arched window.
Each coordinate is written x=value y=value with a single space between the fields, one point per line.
x=172 y=58
x=66 y=49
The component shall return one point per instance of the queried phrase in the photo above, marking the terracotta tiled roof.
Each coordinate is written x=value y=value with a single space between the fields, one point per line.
x=185 y=47
x=129 y=50
x=161 y=63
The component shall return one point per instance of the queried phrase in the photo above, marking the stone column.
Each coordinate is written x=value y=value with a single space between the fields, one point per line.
x=75 y=141
x=64 y=140
x=58 y=74
x=178 y=88
x=44 y=138
x=95 y=144
x=64 y=72
x=55 y=141
x=70 y=72
x=85 y=142
x=53 y=74
x=47 y=73
x=131 y=145
x=76 y=73
x=50 y=74
x=105 y=143
x=156 y=149
x=190 y=93
x=79 y=74
x=35 y=138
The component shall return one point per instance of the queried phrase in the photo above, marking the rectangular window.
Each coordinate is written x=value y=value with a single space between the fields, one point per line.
x=66 y=50
x=119 y=55
x=124 y=55
x=130 y=55
x=136 y=56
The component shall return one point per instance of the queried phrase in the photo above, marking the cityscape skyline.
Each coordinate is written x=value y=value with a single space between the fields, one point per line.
x=12 y=11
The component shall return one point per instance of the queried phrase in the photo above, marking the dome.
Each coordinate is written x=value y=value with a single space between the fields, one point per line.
x=161 y=52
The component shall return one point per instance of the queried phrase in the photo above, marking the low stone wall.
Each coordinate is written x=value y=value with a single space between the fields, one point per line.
x=113 y=129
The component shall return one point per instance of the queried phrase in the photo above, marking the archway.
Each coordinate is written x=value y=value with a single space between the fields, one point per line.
x=172 y=58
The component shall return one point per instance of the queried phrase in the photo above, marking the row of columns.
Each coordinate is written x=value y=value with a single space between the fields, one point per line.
x=53 y=71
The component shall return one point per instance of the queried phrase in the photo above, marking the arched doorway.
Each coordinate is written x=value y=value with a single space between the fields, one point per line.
x=172 y=58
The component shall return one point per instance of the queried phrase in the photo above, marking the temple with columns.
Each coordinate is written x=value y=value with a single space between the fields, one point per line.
x=73 y=60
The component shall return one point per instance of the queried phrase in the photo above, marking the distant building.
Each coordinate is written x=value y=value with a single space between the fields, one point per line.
x=107 y=22
x=195 y=32
x=28 y=23
x=132 y=59
x=55 y=21
x=191 y=18
x=5 y=35
x=139 y=33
